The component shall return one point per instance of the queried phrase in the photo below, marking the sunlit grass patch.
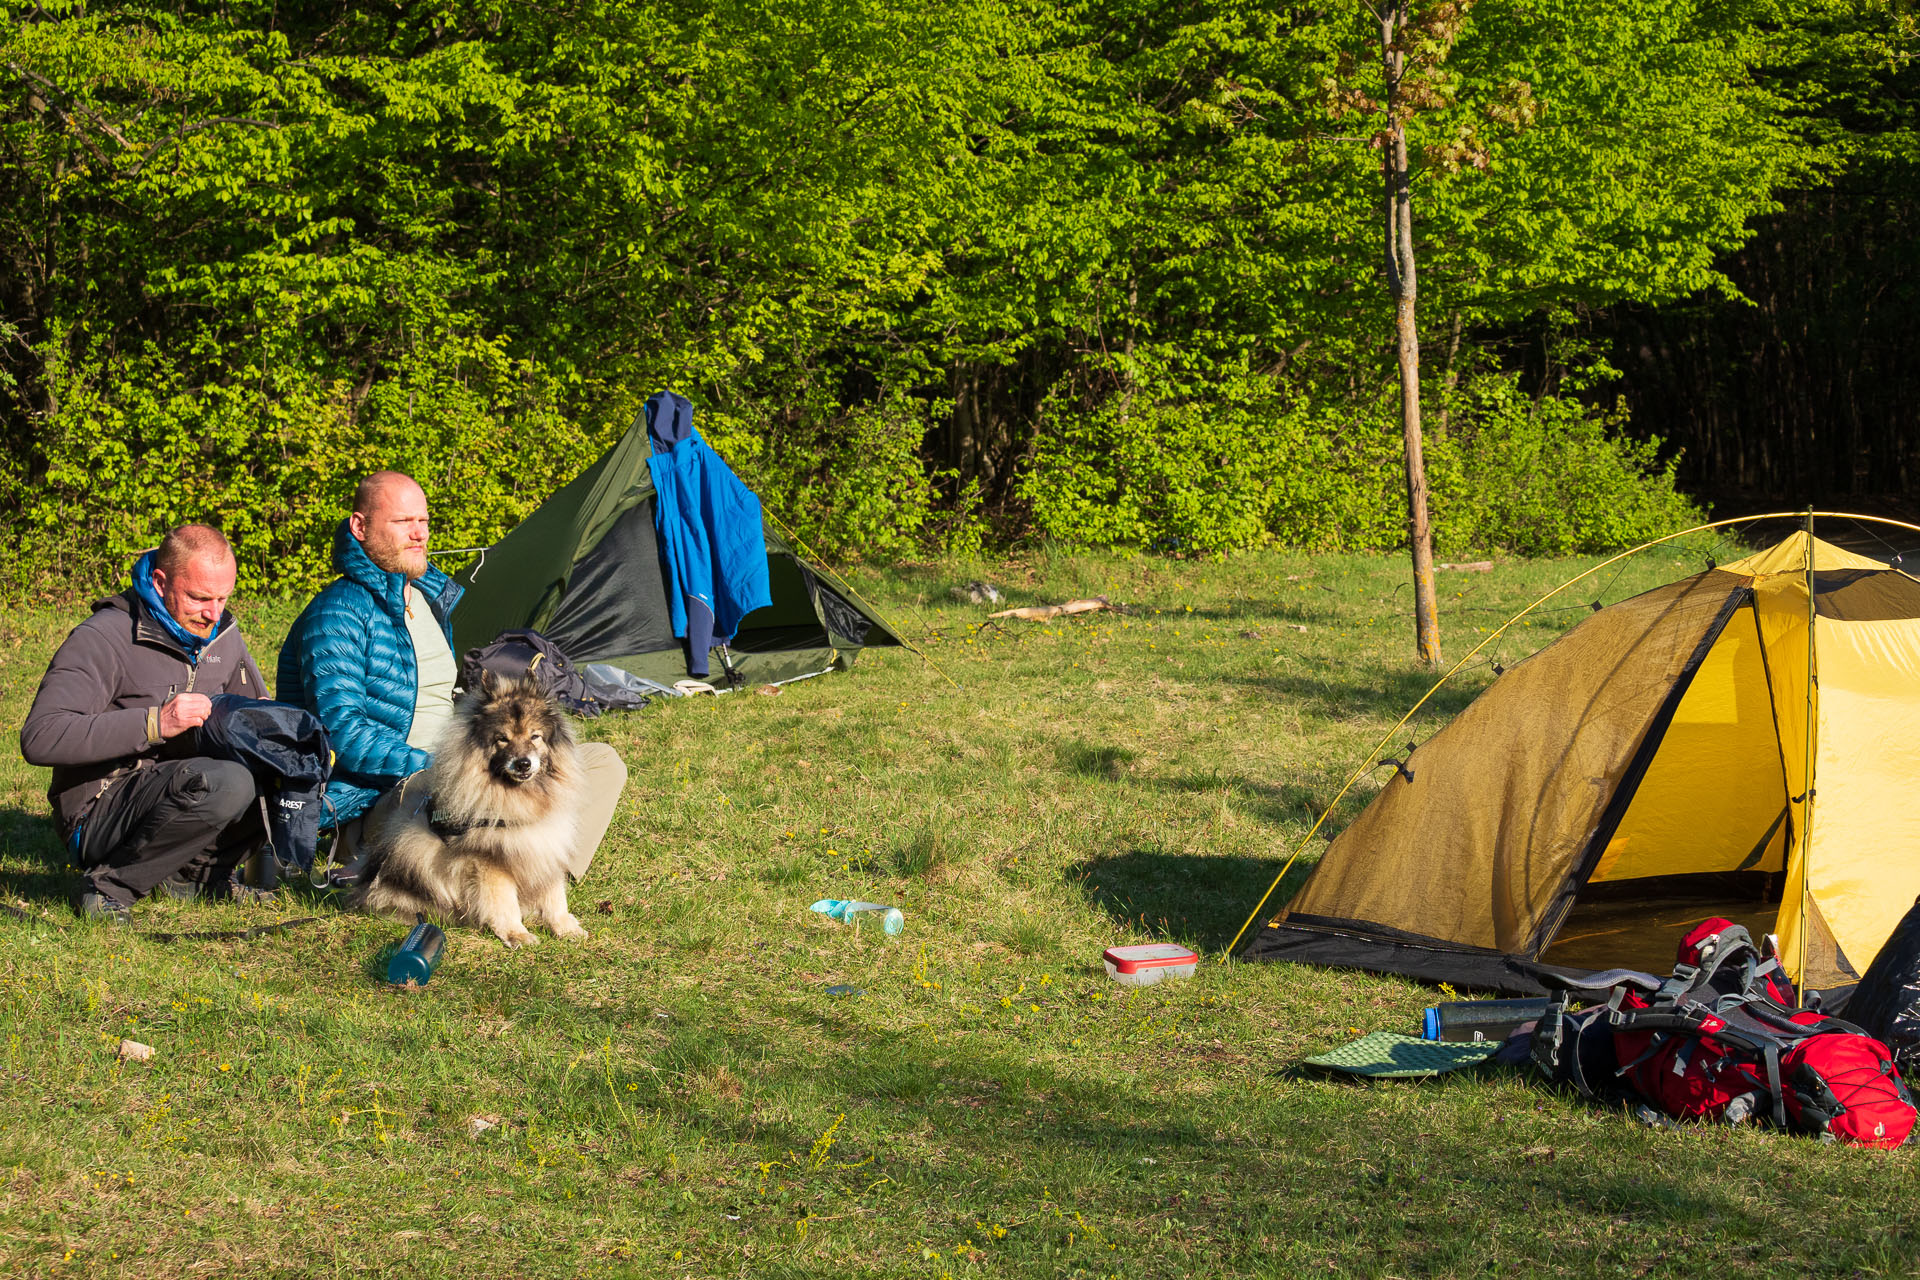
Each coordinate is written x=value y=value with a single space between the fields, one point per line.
x=789 y=869
x=722 y=1075
x=928 y=849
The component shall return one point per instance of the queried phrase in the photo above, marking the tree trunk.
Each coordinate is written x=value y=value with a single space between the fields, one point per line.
x=1402 y=285
x=963 y=443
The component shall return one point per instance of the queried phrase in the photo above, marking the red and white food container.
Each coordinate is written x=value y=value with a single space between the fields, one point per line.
x=1148 y=963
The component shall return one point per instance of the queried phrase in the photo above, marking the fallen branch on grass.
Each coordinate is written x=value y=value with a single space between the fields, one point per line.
x=1041 y=612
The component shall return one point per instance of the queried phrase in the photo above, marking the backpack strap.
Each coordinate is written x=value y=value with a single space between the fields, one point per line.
x=1771 y=1053
x=1548 y=1046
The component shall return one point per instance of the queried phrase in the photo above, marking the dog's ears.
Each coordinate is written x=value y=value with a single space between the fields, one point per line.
x=489 y=682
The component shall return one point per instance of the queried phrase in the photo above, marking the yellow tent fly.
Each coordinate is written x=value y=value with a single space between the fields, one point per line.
x=1744 y=742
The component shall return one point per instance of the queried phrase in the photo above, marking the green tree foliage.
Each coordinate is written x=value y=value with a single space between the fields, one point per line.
x=1105 y=270
x=1805 y=384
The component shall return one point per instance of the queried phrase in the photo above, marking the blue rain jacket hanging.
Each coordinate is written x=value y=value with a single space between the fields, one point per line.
x=712 y=542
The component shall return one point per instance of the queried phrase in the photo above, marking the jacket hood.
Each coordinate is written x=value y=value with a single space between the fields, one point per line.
x=351 y=561
x=150 y=597
x=669 y=420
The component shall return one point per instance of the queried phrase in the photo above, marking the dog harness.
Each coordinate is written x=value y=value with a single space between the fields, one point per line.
x=451 y=828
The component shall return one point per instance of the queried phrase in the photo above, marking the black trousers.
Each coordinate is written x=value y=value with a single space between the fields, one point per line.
x=194 y=818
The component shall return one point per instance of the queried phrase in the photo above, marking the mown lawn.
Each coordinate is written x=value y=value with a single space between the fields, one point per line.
x=680 y=1095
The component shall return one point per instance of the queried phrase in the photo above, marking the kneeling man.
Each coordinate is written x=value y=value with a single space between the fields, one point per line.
x=372 y=657
x=137 y=814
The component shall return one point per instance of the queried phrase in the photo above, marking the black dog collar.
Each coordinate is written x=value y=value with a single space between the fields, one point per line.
x=450 y=828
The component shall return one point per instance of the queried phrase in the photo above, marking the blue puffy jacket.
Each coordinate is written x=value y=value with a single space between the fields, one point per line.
x=350 y=661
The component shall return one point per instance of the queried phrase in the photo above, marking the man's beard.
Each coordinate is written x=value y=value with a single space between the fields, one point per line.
x=202 y=629
x=411 y=561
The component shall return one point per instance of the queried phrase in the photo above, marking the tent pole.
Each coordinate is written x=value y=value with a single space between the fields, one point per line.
x=1374 y=755
x=1806 y=809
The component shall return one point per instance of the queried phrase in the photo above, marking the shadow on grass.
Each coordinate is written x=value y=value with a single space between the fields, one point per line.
x=1390 y=694
x=40 y=873
x=1186 y=898
x=42 y=886
x=31 y=835
x=1092 y=760
x=1275 y=803
x=1271 y=802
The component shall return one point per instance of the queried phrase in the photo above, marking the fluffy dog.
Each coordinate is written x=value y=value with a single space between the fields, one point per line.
x=490 y=836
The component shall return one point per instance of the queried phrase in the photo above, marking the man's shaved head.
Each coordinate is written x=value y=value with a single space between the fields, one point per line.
x=190 y=542
x=379 y=490
x=390 y=520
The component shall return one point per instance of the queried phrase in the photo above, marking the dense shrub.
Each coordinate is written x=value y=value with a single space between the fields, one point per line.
x=270 y=454
x=849 y=481
x=1159 y=463
x=1548 y=477
x=1510 y=474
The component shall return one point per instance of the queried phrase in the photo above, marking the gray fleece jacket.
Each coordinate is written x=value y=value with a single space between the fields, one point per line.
x=96 y=716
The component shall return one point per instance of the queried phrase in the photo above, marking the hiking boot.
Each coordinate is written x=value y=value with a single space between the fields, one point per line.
x=181 y=889
x=238 y=890
x=97 y=908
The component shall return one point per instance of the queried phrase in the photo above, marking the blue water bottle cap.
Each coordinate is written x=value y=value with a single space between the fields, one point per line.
x=419 y=955
x=408 y=966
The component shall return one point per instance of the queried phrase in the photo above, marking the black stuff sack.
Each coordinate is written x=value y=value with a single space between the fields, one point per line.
x=286 y=750
x=1886 y=1004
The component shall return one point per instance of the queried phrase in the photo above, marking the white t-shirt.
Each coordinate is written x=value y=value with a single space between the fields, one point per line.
x=433 y=699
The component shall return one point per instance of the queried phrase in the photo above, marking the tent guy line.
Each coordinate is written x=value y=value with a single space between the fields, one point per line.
x=841 y=582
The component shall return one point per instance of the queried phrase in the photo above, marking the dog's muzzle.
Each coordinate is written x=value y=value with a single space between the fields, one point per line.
x=520 y=768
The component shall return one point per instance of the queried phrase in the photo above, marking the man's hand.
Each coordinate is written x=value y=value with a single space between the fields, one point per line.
x=188 y=711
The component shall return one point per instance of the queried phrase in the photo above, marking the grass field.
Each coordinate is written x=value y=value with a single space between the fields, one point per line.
x=680 y=1096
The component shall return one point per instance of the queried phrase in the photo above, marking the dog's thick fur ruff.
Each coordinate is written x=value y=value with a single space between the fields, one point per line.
x=493 y=840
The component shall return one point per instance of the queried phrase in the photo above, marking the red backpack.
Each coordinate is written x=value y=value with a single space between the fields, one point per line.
x=1724 y=1039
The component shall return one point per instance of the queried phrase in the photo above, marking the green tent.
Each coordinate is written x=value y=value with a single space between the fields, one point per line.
x=585 y=571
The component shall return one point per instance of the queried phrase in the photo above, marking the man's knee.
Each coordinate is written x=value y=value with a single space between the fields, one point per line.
x=603 y=776
x=215 y=791
x=603 y=767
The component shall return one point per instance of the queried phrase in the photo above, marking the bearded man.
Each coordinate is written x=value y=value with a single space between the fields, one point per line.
x=113 y=717
x=371 y=657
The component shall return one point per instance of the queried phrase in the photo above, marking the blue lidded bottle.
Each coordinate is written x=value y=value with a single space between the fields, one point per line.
x=843 y=910
x=419 y=955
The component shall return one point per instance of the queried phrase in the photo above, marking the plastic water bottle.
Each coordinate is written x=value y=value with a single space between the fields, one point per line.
x=419 y=955
x=1480 y=1020
x=844 y=909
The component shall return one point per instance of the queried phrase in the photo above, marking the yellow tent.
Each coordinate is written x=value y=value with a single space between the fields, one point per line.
x=1712 y=747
